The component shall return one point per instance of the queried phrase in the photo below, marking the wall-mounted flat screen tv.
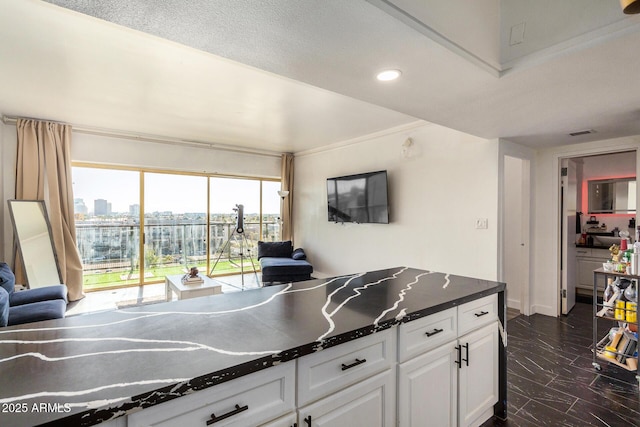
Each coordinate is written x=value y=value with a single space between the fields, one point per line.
x=360 y=198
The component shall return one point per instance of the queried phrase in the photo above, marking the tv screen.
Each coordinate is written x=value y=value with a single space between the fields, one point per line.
x=360 y=198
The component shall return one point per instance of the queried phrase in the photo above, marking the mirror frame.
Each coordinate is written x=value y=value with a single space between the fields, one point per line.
x=43 y=209
x=592 y=182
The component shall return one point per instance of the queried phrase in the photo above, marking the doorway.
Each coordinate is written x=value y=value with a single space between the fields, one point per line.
x=577 y=259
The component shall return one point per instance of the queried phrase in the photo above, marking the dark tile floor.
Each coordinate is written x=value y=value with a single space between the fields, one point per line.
x=551 y=381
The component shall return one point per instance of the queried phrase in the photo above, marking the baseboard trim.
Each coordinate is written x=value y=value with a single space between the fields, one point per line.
x=544 y=310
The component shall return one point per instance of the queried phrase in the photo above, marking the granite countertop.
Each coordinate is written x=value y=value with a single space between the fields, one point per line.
x=86 y=369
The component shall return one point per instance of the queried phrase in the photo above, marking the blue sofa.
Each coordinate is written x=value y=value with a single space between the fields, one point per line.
x=31 y=305
x=280 y=263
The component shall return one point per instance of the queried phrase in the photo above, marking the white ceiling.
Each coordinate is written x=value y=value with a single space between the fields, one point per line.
x=297 y=75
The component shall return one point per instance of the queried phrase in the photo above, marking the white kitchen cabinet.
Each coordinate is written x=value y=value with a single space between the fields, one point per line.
x=327 y=371
x=428 y=388
x=118 y=422
x=478 y=375
x=427 y=333
x=456 y=383
x=371 y=403
x=252 y=399
x=289 y=420
x=477 y=313
x=587 y=260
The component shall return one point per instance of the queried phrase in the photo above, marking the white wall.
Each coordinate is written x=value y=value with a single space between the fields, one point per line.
x=435 y=197
x=127 y=152
x=544 y=286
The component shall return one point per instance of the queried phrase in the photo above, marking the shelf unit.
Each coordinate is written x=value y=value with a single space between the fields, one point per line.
x=599 y=344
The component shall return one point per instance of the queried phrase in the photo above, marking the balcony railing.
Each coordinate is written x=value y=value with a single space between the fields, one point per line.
x=110 y=250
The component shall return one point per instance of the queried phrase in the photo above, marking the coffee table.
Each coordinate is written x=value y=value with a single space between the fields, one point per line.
x=190 y=290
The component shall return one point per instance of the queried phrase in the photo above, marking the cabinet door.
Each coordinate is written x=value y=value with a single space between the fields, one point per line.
x=368 y=403
x=585 y=271
x=428 y=389
x=478 y=381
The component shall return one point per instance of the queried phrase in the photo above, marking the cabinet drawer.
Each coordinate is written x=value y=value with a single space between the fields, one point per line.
x=289 y=420
x=266 y=394
x=583 y=252
x=329 y=370
x=477 y=313
x=427 y=333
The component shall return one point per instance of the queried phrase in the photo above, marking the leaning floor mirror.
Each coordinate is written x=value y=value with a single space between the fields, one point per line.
x=32 y=231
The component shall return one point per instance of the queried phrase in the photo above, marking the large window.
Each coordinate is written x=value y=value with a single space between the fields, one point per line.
x=232 y=251
x=115 y=207
x=175 y=224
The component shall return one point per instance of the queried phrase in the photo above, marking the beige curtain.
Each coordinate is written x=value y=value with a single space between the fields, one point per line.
x=287 y=205
x=43 y=172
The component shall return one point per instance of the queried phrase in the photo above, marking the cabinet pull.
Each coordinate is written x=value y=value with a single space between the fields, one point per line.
x=435 y=331
x=466 y=346
x=458 y=360
x=482 y=313
x=356 y=363
x=238 y=409
x=308 y=420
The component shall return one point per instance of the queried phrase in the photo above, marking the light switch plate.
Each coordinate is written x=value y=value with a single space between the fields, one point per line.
x=482 y=223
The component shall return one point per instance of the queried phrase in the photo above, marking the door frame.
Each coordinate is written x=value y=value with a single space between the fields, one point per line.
x=567 y=190
x=578 y=153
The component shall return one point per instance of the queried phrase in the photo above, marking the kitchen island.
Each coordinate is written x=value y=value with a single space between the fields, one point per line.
x=85 y=370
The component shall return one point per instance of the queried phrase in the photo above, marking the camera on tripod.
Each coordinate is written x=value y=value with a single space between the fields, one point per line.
x=240 y=221
x=237 y=235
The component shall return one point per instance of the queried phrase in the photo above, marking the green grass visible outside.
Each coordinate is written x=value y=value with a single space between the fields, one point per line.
x=97 y=281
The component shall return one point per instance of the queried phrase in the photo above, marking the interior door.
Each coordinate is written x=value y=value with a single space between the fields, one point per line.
x=516 y=220
x=568 y=203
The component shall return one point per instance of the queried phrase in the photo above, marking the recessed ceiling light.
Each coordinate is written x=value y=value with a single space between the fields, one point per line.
x=388 y=75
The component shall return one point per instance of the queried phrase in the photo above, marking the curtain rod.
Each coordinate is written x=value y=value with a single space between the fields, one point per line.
x=10 y=120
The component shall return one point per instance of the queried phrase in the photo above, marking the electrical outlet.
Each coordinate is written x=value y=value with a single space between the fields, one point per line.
x=482 y=223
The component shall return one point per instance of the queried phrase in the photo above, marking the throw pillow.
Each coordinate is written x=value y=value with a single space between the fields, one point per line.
x=7 y=279
x=275 y=249
x=299 y=254
x=4 y=307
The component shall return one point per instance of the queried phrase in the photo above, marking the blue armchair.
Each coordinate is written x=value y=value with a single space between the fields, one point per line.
x=280 y=263
x=31 y=305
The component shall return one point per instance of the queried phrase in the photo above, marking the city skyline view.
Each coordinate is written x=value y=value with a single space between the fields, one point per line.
x=179 y=194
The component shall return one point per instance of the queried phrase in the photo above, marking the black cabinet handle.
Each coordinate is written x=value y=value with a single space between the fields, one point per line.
x=308 y=420
x=238 y=409
x=356 y=363
x=482 y=313
x=458 y=360
x=435 y=331
x=466 y=346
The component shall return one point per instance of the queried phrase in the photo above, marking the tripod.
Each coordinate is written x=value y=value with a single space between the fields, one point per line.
x=238 y=232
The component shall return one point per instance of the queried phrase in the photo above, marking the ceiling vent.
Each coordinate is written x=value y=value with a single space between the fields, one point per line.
x=582 y=132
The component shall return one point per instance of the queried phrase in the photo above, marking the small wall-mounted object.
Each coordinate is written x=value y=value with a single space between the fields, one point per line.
x=408 y=148
x=616 y=195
